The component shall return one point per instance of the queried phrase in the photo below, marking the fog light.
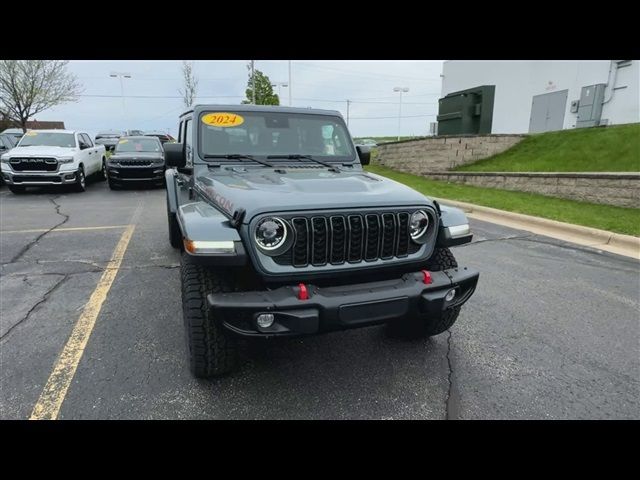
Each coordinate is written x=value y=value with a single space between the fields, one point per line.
x=265 y=320
x=450 y=295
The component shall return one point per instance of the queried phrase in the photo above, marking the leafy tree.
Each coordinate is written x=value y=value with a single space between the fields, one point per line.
x=28 y=87
x=264 y=90
x=190 y=84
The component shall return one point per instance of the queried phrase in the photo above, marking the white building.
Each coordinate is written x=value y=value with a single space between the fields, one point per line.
x=537 y=96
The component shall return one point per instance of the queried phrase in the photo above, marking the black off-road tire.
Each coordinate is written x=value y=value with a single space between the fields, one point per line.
x=211 y=350
x=441 y=259
x=17 y=189
x=113 y=186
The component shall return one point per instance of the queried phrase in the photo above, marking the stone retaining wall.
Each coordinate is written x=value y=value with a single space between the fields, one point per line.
x=437 y=154
x=619 y=189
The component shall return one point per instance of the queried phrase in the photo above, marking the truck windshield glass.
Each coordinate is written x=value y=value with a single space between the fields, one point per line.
x=267 y=134
x=138 y=145
x=48 y=139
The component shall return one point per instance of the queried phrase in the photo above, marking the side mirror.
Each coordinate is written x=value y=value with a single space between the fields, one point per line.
x=174 y=155
x=364 y=153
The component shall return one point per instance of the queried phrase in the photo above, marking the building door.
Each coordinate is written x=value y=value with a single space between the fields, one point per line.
x=547 y=112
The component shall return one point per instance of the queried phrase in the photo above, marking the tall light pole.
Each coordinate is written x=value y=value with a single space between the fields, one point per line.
x=290 y=83
x=122 y=75
x=348 y=103
x=279 y=84
x=401 y=90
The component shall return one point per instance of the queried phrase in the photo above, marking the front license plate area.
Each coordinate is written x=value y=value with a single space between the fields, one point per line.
x=374 y=311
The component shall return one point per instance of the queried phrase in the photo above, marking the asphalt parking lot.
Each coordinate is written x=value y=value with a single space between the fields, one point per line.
x=551 y=333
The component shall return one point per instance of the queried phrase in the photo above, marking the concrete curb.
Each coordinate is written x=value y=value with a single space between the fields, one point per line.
x=627 y=245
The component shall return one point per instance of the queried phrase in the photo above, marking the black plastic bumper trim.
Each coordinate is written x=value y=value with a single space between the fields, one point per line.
x=338 y=308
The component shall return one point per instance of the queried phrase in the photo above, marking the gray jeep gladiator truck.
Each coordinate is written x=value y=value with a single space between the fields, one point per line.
x=283 y=233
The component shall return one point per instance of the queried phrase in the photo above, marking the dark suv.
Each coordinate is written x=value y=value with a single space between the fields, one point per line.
x=136 y=159
x=283 y=233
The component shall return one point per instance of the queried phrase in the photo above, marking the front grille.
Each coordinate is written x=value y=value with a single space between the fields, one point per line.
x=350 y=238
x=34 y=164
x=135 y=163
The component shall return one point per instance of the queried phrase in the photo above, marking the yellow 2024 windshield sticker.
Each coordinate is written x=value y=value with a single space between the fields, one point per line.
x=223 y=119
x=31 y=134
x=124 y=140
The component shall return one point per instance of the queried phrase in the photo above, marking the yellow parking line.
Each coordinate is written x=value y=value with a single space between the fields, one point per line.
x=54 y=392
x=68 y=229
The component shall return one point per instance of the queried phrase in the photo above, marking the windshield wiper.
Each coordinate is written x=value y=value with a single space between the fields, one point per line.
x=238 y=156
x=296 y=156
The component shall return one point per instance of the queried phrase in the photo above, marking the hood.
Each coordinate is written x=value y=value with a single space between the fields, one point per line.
x=265 y=190
x=137 y=156
x=44 y=151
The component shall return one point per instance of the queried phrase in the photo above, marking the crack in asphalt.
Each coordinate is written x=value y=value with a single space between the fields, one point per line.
x=501 y=239
x=45 y=297
x=449 y=408
x=99 y=269
x=564 y=244
x=28 y=246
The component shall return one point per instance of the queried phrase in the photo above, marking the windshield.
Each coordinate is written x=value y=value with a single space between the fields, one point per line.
x=138 y=145
x=49 y=139
x=275 y=133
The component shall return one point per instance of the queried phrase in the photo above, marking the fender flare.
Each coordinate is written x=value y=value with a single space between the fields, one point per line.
x=453 y=228
x=172 y=194
x=214 y=241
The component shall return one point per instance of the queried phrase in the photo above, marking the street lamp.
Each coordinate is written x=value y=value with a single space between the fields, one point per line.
x=280 y=84
x=401 y=90
x=122 y=75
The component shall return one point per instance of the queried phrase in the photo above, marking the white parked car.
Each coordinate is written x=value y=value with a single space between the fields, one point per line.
x=53 y=157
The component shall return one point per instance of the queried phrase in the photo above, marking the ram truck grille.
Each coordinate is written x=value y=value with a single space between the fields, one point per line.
x=34 y=164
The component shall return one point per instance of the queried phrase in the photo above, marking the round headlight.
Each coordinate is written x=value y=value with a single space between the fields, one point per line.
x=271 y=233
x=419 y=224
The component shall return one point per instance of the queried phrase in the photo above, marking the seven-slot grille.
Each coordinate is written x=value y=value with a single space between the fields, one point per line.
x=351 y=238
x=34 y=164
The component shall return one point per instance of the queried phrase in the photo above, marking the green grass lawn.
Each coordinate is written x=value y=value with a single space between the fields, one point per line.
x=610 y=149
x=606 y=217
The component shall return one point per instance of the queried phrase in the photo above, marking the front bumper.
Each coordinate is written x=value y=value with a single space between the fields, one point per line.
x=338 y=308
x=119 y=173
x=39 y=178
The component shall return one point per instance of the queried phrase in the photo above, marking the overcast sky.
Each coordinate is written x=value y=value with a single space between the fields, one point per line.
x=321 y=84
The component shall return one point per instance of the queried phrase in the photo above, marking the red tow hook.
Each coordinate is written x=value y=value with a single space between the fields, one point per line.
x=303 y=294
x=426 y=277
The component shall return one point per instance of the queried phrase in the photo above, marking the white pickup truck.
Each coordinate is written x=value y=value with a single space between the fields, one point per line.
x=53 y=157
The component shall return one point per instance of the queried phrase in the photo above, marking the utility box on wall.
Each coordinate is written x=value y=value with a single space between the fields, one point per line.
x=590 y=105
x=467 y=111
